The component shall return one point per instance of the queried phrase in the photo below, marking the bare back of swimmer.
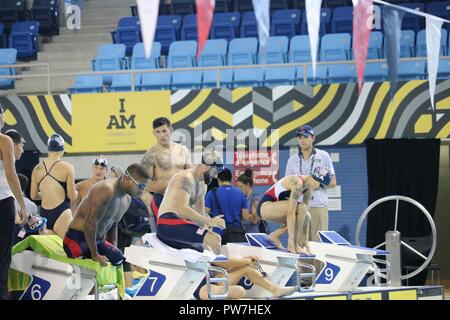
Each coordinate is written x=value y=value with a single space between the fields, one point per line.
x=182 y=219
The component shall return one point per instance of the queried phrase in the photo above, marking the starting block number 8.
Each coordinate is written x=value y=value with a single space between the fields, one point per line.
x=328 y=274
x=36 y=290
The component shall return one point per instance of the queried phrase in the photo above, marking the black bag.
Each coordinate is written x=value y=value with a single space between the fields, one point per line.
x=136 y=220
x=231 y=233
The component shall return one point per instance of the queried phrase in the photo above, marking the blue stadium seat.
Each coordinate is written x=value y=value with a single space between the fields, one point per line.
x=243 y=5
x=214 y=54
x=376 y=72
x=243 y=51
x=407 y=39
x=46 y=13
x=182 y=7
x=225 y=25
x=2 y=36
x=440 y=9
x=122 y=82
x=138 y=60
x=321 y=75
x=335 y=47
x=421 y=43
x=128 y=33
x=341 y=73
x=279 y=5
x=12 y=11
x=7 y=57
x=444 y=69
x=223 y=6
x=249 y=27
x=411 y=21
x=109 y=57
x=276 y=53
x=325 y=20
x=24 y=38
x=300 y=50
x=375 y=49
x=411 y=70
x=182 y=55
x=189 y=28
x=342 y=20
x=285 y=23
x=167 y=31
x=87 y=84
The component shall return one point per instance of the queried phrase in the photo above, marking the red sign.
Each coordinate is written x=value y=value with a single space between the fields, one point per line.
x=263 y=163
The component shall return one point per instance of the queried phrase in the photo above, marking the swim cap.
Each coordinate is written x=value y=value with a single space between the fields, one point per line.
x=55 y=143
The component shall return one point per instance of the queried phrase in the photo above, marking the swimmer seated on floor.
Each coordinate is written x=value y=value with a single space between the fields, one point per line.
x=287 y=203
x=237 y=269
x=93 y=231
x=182 y=221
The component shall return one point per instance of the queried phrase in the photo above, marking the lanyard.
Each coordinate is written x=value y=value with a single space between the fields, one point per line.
x=312 y=163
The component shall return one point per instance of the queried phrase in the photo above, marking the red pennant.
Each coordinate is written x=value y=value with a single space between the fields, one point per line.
x=205 y=12
x=362 y=24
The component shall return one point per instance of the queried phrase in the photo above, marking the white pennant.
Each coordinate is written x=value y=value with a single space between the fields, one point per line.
x=313 y=20
x=148 y=16
x=433 y=38
x=262 y=13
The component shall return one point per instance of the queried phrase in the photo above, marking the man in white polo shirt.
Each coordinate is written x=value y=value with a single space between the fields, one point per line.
x=304 y=163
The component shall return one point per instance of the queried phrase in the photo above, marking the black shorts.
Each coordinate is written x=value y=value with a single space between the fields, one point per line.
x=265 y=198
x=52 y=215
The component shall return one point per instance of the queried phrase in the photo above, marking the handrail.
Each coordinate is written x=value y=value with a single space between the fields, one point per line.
x=133 y=72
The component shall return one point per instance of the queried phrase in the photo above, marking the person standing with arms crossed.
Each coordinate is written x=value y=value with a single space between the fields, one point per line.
x=304 y=163
x=9 y=190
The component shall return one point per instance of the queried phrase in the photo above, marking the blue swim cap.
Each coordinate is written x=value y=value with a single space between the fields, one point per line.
x=55 y=143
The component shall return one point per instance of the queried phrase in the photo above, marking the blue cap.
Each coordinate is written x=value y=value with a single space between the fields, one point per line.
x=304 y=131
x=55 y=143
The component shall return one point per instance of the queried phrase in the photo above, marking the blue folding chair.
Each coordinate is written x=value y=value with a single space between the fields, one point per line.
x=243 y=51
x=325 y=20
x=182 y=55
x=7 y=57
x=12 y=11
x=189 y=28
x=128 y=32
x=335 y=47
x=243 y=5
x=182 y=7
x=300 y=49
x=46 y=12
x=440 y=9
x=411 y=21
x=285 y=23
x=24 y=38
x=342 y=21
x=225 y=25
x=276 y=53
x=167 y=31
x=249 y=27
x=215 y=54
x=109 y=57
x=444 y=69
x=421 y=43
x=87 y=84
x=411 y=70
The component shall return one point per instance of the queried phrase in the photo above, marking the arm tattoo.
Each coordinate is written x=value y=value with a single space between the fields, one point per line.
x=187 y=185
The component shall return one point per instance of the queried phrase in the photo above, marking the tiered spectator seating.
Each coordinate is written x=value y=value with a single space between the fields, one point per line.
x=128 y=32
x=109 y=57
x=225 y=25
x=286 y=23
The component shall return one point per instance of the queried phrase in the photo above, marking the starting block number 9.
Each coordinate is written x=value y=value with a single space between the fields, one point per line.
x=328 y=274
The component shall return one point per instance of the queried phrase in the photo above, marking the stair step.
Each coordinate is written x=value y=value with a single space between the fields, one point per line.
x=83 y=38
x=89 y=29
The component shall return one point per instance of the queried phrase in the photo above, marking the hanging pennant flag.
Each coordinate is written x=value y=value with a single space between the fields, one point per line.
x=148 y=15
x=362 y=24
x=313 y=19
x=262 y=13
x=433 y=35
x=205 y=12
x=392 y=24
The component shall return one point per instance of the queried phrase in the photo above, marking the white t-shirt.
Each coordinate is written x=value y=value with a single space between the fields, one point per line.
x=318 y=158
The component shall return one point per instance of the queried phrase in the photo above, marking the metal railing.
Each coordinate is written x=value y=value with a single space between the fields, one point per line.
x=133 y=72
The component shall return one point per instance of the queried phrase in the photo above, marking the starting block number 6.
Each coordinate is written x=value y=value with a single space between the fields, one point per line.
x=36 y=290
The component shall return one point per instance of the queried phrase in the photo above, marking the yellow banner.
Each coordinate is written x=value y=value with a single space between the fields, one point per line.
x=367 y=296
x=116 y=122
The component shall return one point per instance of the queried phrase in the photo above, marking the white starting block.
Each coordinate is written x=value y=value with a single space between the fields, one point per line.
x=344 y=265
x=279 y=265
x=172 y=273
x=53 y=280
